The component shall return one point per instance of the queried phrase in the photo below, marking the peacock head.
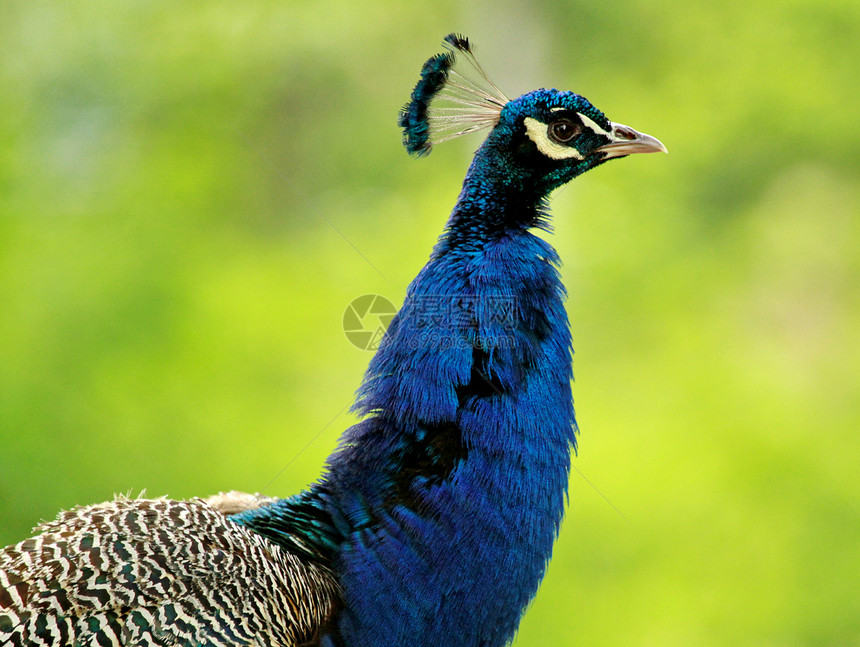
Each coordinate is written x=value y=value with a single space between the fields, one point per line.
x=544 y=138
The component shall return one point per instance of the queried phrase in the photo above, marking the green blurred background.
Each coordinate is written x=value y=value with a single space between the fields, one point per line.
x=183 y=188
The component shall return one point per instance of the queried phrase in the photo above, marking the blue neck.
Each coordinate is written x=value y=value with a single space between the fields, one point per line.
x=444 y=502
x=496 y=200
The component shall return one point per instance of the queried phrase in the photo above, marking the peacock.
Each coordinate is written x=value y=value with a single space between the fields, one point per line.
x=434 y=520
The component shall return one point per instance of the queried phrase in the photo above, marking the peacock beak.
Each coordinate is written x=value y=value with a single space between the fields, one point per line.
x=627 y=141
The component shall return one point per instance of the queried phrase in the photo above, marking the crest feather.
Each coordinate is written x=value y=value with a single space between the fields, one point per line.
x=447 y=103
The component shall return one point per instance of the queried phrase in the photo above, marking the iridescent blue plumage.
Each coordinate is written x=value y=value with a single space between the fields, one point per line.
x=445 y=501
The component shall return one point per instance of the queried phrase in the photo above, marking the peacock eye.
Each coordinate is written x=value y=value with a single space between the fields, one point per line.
x=563 y=130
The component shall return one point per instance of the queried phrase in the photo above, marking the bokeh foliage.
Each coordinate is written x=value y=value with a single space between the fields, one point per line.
x=191 y=194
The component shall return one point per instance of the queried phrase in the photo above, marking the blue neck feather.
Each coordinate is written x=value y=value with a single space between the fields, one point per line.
x=439 y=510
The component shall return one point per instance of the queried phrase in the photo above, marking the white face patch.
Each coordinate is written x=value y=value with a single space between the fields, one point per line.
x=588 y=123
x=536 y=131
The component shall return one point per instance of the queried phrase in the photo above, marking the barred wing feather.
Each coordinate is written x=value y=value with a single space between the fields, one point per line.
x=157 y=572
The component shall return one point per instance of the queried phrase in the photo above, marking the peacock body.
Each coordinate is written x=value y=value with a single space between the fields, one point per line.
x=435 y=519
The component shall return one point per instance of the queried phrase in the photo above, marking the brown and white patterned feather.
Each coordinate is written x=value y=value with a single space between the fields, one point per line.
x=157 y=572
